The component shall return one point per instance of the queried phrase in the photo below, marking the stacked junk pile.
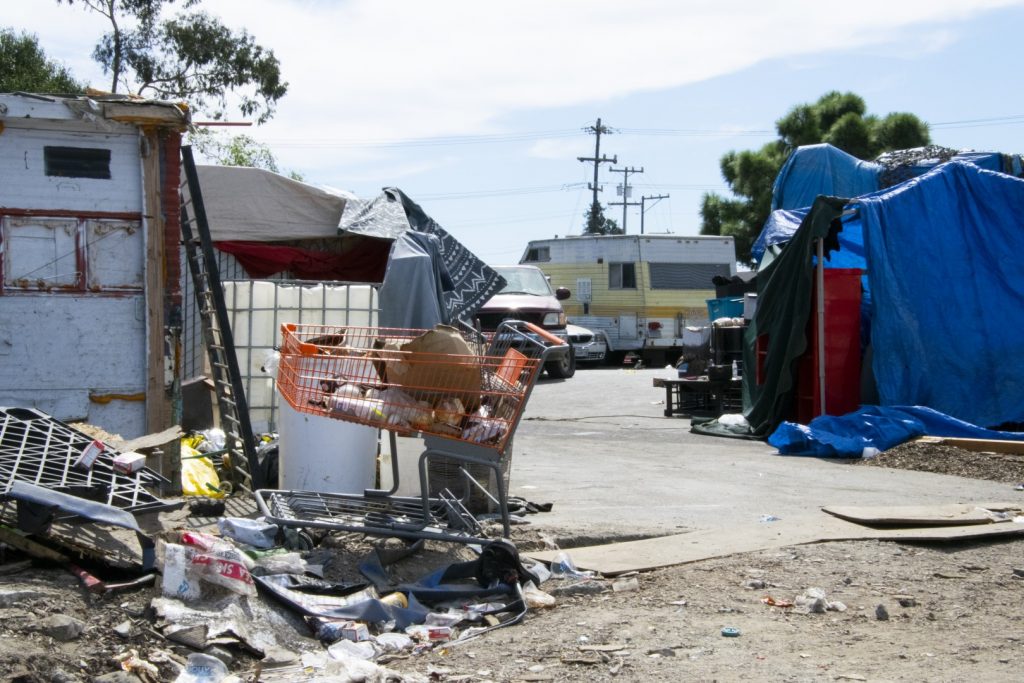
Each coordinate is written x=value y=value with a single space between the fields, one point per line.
x=315 y=548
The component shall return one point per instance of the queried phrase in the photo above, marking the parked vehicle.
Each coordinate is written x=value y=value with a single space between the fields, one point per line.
x=647 y=294
x=587 y=346
x=528 y=296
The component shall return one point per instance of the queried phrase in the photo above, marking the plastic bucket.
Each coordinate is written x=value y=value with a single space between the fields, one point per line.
x=325 y=455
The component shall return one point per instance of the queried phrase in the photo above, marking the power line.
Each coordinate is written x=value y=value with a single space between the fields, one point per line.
x=525 y=136
x=432 y=141
x=970 y=123
x=501 y=192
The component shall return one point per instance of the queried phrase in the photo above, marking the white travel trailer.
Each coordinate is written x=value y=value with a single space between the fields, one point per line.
x=645 y=293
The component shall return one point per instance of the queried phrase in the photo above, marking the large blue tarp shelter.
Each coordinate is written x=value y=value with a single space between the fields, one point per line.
x=813 y=170
x=942 y=256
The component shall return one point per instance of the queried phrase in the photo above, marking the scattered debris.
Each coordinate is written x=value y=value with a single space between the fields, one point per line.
x=881 y=613
x=624 y=585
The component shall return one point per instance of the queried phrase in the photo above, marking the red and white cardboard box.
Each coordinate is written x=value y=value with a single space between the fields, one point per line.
x=129 y=463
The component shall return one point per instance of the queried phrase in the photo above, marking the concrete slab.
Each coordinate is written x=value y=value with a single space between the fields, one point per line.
x=598 y=447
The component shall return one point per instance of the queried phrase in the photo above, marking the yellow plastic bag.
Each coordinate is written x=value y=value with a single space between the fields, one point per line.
x=198 y=475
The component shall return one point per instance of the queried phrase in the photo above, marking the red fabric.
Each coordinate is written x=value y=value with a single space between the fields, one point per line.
x=365 y=261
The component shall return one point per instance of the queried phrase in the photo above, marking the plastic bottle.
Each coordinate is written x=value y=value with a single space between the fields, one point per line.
x=564 y=568
x=735 y=370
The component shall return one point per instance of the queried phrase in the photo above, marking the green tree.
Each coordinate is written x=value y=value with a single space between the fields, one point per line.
x=25 y=67
x=235 y=150
x=598 y=224
x=840 y=119
x=191 y=56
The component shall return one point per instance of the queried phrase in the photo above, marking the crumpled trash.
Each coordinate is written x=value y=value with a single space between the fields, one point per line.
x=202 y=668
x=255 y=532
x=347 y=649
x=198 y=475
x=814 y=601
x=562 y=567
x=201 y=557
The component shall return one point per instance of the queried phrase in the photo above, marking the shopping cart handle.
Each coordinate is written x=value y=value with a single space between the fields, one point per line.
x=544 y=334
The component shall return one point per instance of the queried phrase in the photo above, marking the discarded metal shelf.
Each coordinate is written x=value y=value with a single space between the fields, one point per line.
x=37 y=449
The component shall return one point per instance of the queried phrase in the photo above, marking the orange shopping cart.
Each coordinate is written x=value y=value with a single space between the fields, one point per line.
x=463 y=394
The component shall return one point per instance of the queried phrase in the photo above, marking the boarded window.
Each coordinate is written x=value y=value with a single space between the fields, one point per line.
x=115 y=254
x=40 y=253
x=77 y=162
x=622 y=276
x=686 y=275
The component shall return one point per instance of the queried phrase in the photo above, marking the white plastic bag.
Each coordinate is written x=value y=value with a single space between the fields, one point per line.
x=202 y=668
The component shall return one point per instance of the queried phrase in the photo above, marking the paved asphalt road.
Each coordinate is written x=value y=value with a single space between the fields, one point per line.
x=599 y=448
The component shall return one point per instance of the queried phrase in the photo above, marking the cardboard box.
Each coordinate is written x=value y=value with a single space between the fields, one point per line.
x=129 y=463
x=89 y=454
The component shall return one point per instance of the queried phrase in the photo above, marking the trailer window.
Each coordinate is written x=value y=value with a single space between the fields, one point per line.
x=538 y=254
x=686 y=275
x=77 y=162
x=621 y=276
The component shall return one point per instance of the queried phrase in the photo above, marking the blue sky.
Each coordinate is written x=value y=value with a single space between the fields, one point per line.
x=476 y=109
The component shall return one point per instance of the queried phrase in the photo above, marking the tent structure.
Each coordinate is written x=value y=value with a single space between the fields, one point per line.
x=944 y=292
x=273 y=224
x=822 y=169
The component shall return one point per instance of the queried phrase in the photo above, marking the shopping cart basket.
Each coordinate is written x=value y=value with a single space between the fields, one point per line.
x=466 y=407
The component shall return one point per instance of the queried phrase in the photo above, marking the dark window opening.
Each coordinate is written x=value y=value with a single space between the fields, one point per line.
x=622 y=276
x=77 y=162
x=538 y=254
x=686 y=275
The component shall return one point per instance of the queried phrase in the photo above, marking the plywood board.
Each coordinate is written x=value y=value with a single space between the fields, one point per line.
x=667 y=551
x=955 y=514
x=979 y=445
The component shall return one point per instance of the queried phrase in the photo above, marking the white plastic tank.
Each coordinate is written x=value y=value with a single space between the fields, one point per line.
x=323 y=454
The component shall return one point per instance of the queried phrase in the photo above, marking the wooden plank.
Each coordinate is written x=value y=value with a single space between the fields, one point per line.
x=978 y=445
x=21 y=541
x=667 y=551
x=923 y=515
x=158 y=404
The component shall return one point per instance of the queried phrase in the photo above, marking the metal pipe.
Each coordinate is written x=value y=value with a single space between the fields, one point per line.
x=820 y=246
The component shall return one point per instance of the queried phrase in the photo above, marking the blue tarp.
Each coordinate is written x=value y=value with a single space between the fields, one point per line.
x=812 y=170
x=822 y=169
x=944 y=290
x=875 y=427
x=778 y=229
x=947 y=280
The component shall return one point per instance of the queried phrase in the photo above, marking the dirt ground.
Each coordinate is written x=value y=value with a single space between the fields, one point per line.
x=869 y=611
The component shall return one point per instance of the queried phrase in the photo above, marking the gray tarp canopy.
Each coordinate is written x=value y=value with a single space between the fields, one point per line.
x=254 y=205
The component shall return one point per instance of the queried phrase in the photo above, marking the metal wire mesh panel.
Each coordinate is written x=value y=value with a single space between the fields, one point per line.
x=257 y=309
x=37 y=449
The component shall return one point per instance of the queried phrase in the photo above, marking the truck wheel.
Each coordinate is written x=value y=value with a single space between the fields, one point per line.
x=564 y=367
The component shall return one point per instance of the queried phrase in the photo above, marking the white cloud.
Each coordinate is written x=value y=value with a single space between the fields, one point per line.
x=560 y=148
x=366 y=69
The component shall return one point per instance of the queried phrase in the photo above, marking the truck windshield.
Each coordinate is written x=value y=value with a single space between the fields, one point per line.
x=524 y=281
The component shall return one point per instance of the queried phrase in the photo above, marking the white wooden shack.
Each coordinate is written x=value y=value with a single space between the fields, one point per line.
x=90 y=305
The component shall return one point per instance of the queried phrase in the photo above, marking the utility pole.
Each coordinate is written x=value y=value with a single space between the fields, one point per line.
x=597 y=159
x=625 y=191
x=655 y=197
